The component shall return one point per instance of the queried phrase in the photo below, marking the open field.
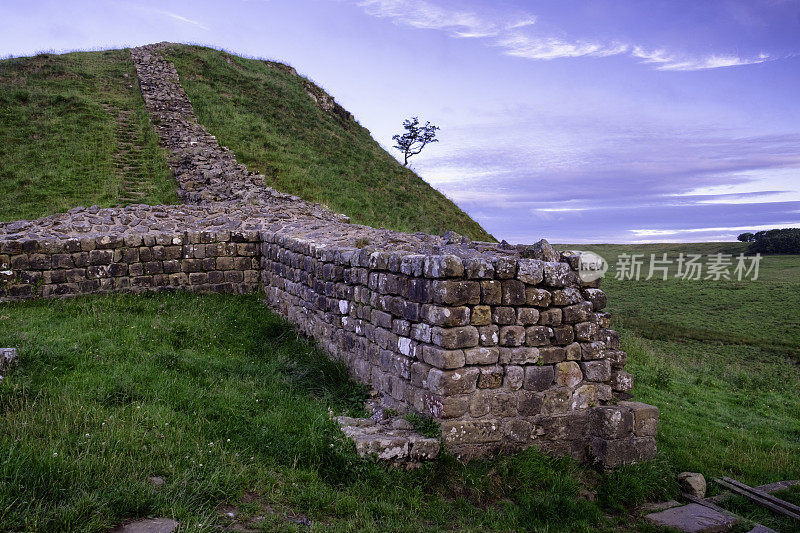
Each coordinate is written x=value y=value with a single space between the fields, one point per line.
x=59 y=136
x=721 y=359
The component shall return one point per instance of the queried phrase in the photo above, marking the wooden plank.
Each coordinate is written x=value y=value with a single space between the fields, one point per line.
x=705 y=503
x=759 y=500
x=763 y=494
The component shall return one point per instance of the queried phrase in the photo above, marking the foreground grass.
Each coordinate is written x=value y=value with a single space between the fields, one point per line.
x=264 y=114
x=721 y=359
x=58 y=142
x=220 y=398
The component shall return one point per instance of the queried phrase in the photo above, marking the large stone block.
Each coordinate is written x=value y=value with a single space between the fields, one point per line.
x=645 y=418
x=456 y=292
x=615 y=452
x=442 y=358
x=539 y=378
x=455 y=338
x=611 y=421
x=471 y=432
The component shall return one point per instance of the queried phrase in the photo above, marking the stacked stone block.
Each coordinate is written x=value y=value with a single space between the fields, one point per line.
x=205 y=261
x=505 y=352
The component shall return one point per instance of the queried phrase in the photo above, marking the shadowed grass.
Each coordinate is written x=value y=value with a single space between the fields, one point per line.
x=57 y=141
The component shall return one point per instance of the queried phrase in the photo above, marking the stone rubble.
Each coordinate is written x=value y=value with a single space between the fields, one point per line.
x=505 y=346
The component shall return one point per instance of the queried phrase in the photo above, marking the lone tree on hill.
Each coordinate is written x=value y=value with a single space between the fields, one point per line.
x=415 y=138
x=747 y=237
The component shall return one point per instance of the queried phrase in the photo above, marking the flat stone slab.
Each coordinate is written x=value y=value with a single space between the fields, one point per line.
x=149 y=525
x=393 y=440
x=693 y=518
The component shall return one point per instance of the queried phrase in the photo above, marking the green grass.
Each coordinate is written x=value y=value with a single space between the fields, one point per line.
x=264 y=114
x=721 y=359
x=219 y=397
x=58 y=143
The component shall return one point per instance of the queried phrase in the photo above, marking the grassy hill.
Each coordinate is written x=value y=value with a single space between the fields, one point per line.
x=266 y=114
x=62 y=119
x=74 y=131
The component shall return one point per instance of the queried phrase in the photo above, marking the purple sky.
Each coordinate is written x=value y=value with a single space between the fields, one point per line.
x=592 y=121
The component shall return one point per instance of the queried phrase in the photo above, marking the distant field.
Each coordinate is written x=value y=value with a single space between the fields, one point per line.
x=59 y=135
x=721 y=359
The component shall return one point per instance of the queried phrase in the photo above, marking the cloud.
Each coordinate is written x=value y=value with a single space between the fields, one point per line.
x=164 y=13
x=665 y=61
x=424 y=15
x=180 y=18
x=516 y=37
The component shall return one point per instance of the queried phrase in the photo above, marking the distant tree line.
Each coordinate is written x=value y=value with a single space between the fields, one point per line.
x=773 y=241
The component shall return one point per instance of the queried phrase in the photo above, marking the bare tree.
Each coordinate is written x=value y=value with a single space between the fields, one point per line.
x=415 y=138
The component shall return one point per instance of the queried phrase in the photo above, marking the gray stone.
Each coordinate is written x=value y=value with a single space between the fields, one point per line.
x=693 y=484
x=693 y=518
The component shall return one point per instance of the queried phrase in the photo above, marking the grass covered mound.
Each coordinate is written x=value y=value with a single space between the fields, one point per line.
x=267 y=115
x=218 y=396
x=60 y=128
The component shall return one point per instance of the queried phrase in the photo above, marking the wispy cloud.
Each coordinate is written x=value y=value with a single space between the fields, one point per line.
x=180 y=18
x=664 y=61
x=164 y=14
x=516 y=36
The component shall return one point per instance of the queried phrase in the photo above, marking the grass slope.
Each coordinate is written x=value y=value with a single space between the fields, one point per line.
x=219 y=397
x=721 y=359
x=57 y=141
x=263 y=112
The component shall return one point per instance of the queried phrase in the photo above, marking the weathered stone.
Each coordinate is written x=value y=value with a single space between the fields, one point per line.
x=693 y=518
x=470 y=432
x=568 y=374
x=442 y=358
x=611 y=421
x=456 y=292
x=512 y=336
x=513 y=292
x=445 y=316
x=596 y=370
x=621 y=381
x=527 y=316
x=692 y=483
x=539 y=378
x=481 y=315
x=529 y=271
x=645 y=418
x=451 y=382
x=454 y=338
x=538 y=335
x=482 y=355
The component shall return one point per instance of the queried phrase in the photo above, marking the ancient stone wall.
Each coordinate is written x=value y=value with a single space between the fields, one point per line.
x=504 y=345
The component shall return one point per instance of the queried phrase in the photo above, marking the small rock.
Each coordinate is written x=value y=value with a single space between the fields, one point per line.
x=156 y=481
x=402 y=423
x=693 y=484
x=149 y=525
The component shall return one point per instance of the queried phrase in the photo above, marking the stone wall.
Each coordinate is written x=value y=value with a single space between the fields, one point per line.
x=504 y=345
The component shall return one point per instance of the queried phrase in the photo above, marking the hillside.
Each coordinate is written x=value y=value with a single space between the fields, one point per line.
x=73 y=131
